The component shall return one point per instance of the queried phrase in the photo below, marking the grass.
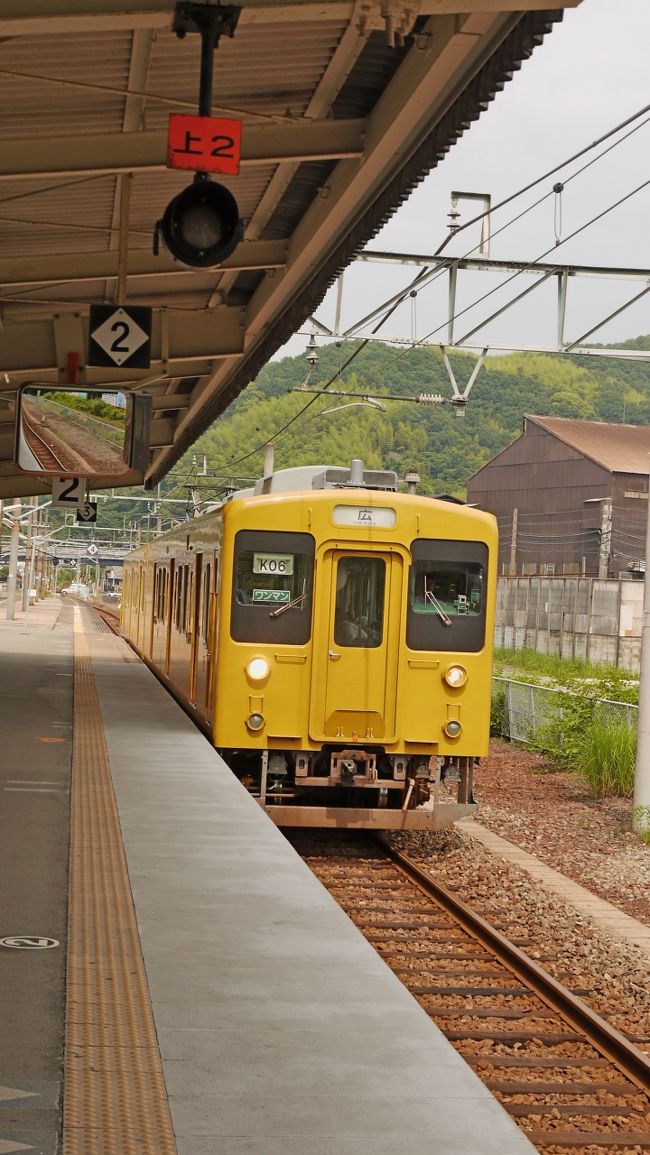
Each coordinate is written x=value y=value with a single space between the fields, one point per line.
x=553 y=666
x=577 y=736
x=599 y=681
x=641 y=816
x=606 y=759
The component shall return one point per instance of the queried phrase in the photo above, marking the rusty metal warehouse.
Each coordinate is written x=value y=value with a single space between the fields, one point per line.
x=570 y=497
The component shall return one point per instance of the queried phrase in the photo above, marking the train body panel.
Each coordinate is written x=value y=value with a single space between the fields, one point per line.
x=336 y=643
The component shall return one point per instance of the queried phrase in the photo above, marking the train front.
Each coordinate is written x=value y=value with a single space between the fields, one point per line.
x=355 y=650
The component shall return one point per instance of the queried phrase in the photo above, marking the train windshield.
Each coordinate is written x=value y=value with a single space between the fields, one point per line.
x=446 y=609
x=272 y=587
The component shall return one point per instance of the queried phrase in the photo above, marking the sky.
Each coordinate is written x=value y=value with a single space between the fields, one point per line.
x=589 y=74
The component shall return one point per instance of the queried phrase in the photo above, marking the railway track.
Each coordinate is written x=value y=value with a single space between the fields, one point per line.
x=105 y=618
x=40 y=448
x=572 y=1082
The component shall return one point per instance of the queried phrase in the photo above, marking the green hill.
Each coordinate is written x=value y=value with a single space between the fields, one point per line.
x=444 y=449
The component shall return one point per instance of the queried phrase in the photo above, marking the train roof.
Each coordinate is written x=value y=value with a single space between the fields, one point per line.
x=303 y=477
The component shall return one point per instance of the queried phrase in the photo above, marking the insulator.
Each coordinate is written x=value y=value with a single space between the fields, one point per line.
x=431 y=399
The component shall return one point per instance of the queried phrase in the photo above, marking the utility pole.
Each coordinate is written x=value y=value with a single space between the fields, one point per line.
x=605 y=538
x=513 y=543
x=28 y=571
x=641 y=807
x=13 y=561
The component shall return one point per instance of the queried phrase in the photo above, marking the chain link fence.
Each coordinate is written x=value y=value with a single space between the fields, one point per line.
x=524 y=713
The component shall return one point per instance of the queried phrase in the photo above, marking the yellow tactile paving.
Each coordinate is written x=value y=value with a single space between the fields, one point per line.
x=115 y=1101
x=612 y=920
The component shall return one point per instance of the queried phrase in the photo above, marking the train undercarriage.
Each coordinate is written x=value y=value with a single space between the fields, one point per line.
x=354 y=786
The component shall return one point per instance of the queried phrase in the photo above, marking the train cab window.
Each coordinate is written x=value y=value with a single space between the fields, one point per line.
x=359 y=613
x=446 y=600
x=272 y=587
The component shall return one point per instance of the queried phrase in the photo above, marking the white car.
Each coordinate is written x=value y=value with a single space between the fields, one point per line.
x=76 y=590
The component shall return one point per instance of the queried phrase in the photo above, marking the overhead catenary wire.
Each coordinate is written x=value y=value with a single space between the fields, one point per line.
x=429 y=277
x=423 y=273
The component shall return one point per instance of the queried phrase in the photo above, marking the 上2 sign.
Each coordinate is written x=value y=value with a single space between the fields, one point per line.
x=204 y=143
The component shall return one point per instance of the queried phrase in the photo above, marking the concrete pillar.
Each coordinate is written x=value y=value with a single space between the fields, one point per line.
x=605 y=538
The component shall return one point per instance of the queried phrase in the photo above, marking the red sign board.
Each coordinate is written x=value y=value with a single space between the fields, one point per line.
x=204 y=143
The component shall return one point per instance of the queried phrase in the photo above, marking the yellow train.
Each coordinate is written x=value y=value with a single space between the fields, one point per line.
x=333 y=636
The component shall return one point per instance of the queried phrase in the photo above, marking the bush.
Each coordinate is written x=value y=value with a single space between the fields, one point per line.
x=563 y=734
x=606 y=758
x=499 y=716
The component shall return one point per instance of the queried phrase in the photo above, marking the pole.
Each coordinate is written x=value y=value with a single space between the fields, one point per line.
x=641 y=807
x=13 y=570
x=605 y=538
x=28 y=575
x=513 y=543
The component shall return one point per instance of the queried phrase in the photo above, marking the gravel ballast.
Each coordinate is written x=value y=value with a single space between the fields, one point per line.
x=549 y=814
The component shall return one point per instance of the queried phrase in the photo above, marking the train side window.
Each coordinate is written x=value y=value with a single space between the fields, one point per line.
x=359 y=613
x=446 y=598
x=205 y=623
x=182 y=606
x=272 y=587
x=164 y=594
x=157 y=590
x=178 y=596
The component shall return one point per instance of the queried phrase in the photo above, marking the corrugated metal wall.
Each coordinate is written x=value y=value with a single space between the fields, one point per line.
x=596 y=619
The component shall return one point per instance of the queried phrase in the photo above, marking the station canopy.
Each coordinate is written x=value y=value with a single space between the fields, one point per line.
x=344 y=106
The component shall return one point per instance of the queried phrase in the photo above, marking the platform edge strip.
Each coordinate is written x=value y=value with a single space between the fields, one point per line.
x=115 y=1099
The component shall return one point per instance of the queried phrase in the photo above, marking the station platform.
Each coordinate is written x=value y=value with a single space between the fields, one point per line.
x=175 y=980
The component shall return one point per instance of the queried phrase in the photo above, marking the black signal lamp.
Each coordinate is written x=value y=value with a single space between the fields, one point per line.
x=201 y=226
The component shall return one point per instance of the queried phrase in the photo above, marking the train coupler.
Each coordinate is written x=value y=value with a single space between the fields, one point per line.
x=347 y=767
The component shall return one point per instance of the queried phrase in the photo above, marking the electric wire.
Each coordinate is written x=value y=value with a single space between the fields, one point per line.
x=432 y=276
x=428 y=276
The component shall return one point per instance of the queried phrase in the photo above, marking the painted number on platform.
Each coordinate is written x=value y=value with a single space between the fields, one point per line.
x=29 y=942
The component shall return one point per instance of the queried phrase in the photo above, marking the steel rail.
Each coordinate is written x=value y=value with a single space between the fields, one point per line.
x=629 y=1059
x=107 y=616
x=43 y=448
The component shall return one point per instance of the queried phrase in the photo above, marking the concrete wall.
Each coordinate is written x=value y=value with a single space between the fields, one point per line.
x=596 y=619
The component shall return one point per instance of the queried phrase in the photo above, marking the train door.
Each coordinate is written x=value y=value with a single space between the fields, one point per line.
x=141 y=632
x=202 y=631
x=160 y=615
x=194 y=625
x=356 y=646
x=172 y=578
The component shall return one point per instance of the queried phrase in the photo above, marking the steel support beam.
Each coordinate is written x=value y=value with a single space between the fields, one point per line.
x=100 y=154
x=565 y=274
x=86 y=267
x=183 y=343
x=65 y=17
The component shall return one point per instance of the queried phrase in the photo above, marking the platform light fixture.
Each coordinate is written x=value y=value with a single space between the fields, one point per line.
x=201 y=225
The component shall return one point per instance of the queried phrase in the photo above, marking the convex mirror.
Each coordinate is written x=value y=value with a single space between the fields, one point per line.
x=81 y=432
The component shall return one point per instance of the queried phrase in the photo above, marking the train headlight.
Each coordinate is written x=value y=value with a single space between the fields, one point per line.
x=452 y=728
x=258 y=669
x=255 y=721
x=455 y=676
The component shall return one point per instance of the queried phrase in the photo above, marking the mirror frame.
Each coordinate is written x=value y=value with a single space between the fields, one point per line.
x=137 y=431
